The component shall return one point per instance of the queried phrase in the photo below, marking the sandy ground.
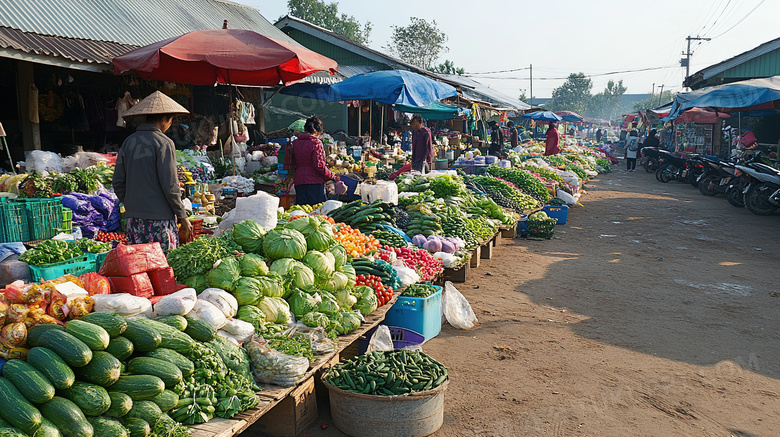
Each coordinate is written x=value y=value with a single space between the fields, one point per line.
x=652 y=312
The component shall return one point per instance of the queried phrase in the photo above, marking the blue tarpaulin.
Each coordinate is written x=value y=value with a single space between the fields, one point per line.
x=392 y=87
x=542 y=116
x=746 y=95
x=435 y=111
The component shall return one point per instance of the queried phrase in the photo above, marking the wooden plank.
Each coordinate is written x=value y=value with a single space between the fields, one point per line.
x=476 y=255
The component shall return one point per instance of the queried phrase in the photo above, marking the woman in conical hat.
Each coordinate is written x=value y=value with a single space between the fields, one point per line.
x=145 y=177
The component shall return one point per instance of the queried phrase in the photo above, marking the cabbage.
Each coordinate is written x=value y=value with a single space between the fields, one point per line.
x=284 y=243
x=331 y=258
x=317 y=231
x=321 y=265
x=198 y=282
x=276 y=310
x=303 y=303
x=270 y=285
x=302 y=276
x=315 y=319
x=329 y=304
x=249 y=235
x=363 y=292
x=251 y=314
x=283 y=266
x=350 y=273
x=345 y=322
x=345 y=299
x=366 y=304
x=337 y=281
x=224 y=274
x=248 y=291
x=253 y=265
x=339 y=254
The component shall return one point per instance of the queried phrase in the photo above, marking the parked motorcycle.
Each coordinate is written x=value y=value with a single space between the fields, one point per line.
x=681 y=169
x=762 y=193
x=735 y=192
x=716 y=176
x=650 y=159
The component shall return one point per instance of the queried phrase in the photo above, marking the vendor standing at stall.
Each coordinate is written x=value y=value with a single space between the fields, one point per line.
x=145 y=176
x=422 y=145
x=496 y=139
x=514 y=137
x=551 y=142
x=311 y=170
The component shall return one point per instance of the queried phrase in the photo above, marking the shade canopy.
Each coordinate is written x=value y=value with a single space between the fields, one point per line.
x=701 y=115
x=542 y=116
x=392 y=87
x=746 y=95
x=223 y=56
x=569 y=116
x=435 y=111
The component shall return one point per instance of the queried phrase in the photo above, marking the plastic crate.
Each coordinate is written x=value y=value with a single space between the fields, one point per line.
x=98 y=258
x=422 y=315
x=401 y=338
x=67 y=221
x=44 y=216
x=13 y=223
x=559 y=213
x=76 y=266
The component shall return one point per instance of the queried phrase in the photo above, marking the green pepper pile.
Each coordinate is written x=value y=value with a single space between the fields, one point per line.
x=422 y=289
x=388 y=373
x=295 y=345
x=91 y=246
x=524 y=181
x=455 y=225
x=51 y=251
x=198 y=257
x=389 y=238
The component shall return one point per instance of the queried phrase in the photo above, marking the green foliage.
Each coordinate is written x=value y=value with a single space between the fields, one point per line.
x=654 y=101
x=327 y=15
x=448 y=67
x=606 y=104
x=573 y=95
x=420 y=43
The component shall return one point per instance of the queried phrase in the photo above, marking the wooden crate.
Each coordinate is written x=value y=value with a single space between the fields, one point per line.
x=497 y=240
x=475 y=257
x=486 y=251
x=510 y=232
x=292 y=415
x=459 y=275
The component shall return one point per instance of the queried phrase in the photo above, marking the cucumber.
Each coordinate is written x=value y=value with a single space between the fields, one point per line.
x=103 y=370
x=34 y=333
x=108 y=427
x=67 y=417
x=137 y=427
x=92 y=399
x=183 y=363
x=139 y=387
x=91 y=334
x=31 y=383
x=166 y=400
x=176 y=321
x=168 y=372
x=16 y=410
x=170 y=337
x=146 y=410
x=72 y=350
x=120 y=347
x=114 y=324
x=200 y=330
x=144 y=338
x=54 y=368
x=120 y=404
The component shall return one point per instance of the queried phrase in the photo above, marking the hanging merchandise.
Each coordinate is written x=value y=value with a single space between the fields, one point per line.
x=122 y=105
x=245 y=112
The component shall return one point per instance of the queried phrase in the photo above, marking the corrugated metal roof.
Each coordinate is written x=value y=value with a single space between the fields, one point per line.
x=474 y=90
x=354 y=70
x=134 y=22
x=77 y=50
x=761 y=61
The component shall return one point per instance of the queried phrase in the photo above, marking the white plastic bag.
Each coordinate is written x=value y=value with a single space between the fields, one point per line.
x=407 y=275
x=179 y=303
x=328 y=206
x=566 y=197
x=124 y=304
x=381 y=340
x=447 y=259
x=456 y=308
x=260 y=207
x=571 y=178
x=239 y=329
x=384 y=190
x=273 y=367
x=209 y=313
x=40 y=161
x=223 y=300
x=229 y=336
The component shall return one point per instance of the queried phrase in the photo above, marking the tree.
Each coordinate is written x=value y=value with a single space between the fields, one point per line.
x=448 y=67
x=420 y=43
x=327 y=15
x=523 y=97
x=654 y=101
x=573 y=95
x=606 y=104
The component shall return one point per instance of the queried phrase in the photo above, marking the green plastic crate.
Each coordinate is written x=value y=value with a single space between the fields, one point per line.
x=67 y=221
x=76 y=266
x=99 y=258
x=44 y=217
x=13 y=223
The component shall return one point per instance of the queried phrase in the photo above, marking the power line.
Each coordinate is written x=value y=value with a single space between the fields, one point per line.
x=501 y=71
x=725 y=21
x=564 y=78
x=741 y=20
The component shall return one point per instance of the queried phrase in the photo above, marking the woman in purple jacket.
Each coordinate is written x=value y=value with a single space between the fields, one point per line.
x=311 y=171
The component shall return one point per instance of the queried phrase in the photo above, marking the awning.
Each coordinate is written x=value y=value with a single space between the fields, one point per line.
x=435 y=111
x=746 y=95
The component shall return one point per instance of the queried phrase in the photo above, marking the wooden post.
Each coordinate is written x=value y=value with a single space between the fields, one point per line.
x=31 y=132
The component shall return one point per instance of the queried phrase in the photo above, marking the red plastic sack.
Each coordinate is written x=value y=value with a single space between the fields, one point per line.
x=163 y=281
x=95 y=284
x=155 y=299
x=137 y=285
x=127 y=260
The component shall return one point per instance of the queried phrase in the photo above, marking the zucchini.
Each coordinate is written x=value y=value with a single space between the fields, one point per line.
x=72 y=350
x=54 y=368
x=146 y=410
x=34 y=333
x=16 y=410
x=114 y=324
x=31 y=383
x=166 y=400
x=170 y=337
x=200 y=330
x=92 y=399
x=120 y=404
x=139 y=387
x=183 y=363
x=137 y=427
x=176 y=321
x=91 y=334
x=108 y=427
x=168 y=372
x=103 y=370
x=144 y=338
x=67 y=417
x=120 y=347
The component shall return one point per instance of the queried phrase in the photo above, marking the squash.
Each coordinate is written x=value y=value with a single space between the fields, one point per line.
x=17 y=410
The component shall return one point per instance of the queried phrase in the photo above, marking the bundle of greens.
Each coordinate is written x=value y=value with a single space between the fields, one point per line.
x=524 y=181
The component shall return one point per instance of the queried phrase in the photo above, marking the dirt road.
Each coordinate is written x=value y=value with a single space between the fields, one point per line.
x=654 y=311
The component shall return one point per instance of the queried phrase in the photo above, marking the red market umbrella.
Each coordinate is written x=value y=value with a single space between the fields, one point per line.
x=701 y=115
x=223 y=56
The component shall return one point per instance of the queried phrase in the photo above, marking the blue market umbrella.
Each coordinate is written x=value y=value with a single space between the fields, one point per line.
x=392 y=87
x=746 y=95
x=542 y=116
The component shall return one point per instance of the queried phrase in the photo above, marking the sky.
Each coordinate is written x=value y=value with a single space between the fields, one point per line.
x=566 y=36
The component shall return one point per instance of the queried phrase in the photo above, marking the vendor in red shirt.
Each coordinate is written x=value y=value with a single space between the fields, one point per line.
x=311 y=171
x=422 y=145
x=551 y=143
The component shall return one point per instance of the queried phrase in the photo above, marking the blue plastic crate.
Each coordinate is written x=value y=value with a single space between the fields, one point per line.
x=421 y=315
x=559 y=213
x=401 y=338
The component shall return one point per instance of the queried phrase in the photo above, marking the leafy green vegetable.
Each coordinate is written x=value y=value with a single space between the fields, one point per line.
x=252 y=265
x=339 y=255
x=322 y=265
x=271 y=285
x=317 y=231
x=199 y=256
x=329 y=305
x=276 y=310
x=249 y=235
x=224 y=274
x=51 y=251
x=247 y=291
x=284 y=243
x=316 y=319
x=198 y=282
x=302 y=303
x=251 y=314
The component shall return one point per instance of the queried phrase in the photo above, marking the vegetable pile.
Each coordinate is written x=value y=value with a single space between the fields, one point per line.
x=423 y=289
x=51 y=251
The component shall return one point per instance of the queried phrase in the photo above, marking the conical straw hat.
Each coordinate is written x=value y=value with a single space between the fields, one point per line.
x=156 y=103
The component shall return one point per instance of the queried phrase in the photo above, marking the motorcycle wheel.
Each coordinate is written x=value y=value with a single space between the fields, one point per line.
x=707 y=186
x=735 y=197
x=658 y=172
x=691 y=179
x=666 y=174
x=650 y=165
x=758 y=203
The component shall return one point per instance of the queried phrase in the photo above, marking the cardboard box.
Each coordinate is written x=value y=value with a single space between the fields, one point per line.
x=288 y=419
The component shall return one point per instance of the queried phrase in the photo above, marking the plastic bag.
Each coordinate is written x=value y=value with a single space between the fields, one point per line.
x=80 y=307
x=239 y=329
x=163 y=281
x=209 y=313
x=138 y=285
x=14 y=334
x=384 y=190
x=128 y=260
x=16 y=313
x=223 y=300
x=566 y=197
x=260 y=207
x=447 y=259
x=95 y=284
x=456 y=308
x=124 y=304
x=40 y=161
x=381 y=340
x=571 y=178
x=3 y=311
x=229 y=337
x=179 y=303
x=407 y=275
x=273 y=367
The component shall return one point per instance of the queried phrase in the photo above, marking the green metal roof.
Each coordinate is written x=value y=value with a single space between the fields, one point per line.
x=762 y=61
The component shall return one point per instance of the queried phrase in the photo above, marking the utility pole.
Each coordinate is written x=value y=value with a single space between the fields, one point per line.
x=653 y=93
x=661 y=96
x=531 y=69
x=686 y=62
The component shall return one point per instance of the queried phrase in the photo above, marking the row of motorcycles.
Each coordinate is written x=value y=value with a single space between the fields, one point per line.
x=744 y=180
